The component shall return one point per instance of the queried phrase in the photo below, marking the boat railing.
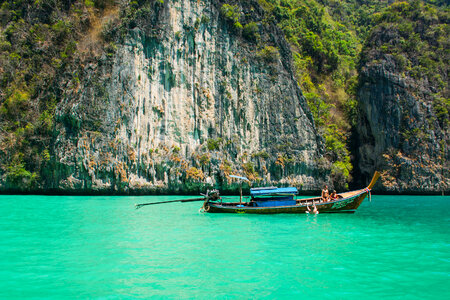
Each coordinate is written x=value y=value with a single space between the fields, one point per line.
x=320 y=200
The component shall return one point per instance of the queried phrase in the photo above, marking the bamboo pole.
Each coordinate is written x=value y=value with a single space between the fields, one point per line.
x=240 y=192
x=170 y=201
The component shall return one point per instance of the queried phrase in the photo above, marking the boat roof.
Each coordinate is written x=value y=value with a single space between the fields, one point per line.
x=239 y=177
x=273 y=190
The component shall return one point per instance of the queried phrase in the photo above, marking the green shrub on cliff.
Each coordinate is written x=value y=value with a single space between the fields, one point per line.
x=230 y=12
x=261 y=154
x=214 y=144
x=269 y=54
x=15 y=105
x=250 y=31
x=441 y=107
x=17 y=176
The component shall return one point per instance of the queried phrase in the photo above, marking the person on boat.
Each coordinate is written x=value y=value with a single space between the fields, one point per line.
x=333 y=195
x=325 y=194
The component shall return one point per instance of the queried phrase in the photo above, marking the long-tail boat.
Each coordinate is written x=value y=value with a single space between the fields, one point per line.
x=272 y=200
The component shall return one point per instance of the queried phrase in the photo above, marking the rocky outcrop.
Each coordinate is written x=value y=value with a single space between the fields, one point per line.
x=183 y=101
x=399 y=134
x=401 y=131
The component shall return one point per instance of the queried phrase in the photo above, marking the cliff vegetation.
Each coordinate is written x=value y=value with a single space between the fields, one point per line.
x=43 y=46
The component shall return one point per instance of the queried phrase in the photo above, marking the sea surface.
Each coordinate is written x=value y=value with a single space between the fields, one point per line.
x=59 y=247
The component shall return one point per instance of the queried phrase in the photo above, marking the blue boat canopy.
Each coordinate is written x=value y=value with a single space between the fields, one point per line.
x=273 y=190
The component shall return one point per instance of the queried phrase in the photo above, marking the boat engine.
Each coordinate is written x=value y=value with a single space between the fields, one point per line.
x=213 y=195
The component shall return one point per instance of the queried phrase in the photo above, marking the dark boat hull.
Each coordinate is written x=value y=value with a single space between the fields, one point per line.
x=348 y=204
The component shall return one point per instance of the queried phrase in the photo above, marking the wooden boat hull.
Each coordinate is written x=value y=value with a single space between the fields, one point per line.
x=343 y=205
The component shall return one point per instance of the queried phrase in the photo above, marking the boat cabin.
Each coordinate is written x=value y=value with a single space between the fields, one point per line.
x=272 y=196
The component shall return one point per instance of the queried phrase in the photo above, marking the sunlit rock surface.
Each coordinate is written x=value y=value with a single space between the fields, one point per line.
x=185 y=101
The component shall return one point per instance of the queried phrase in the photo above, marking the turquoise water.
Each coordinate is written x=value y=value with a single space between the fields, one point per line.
x=57 y=247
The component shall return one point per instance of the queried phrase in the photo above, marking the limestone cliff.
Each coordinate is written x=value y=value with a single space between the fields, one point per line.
x=397 y=136
x=185 y=99
x=120 y=96
x=404 y=123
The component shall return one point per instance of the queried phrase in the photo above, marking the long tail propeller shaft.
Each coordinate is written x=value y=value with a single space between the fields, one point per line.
x=137 y=206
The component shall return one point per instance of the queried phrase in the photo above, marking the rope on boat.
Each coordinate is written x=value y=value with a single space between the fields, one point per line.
x=204 y=208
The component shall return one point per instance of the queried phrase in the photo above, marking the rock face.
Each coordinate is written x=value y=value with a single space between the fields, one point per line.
x=185 y=100
x=399 y=131
x=403 y=128
x=175 y=95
